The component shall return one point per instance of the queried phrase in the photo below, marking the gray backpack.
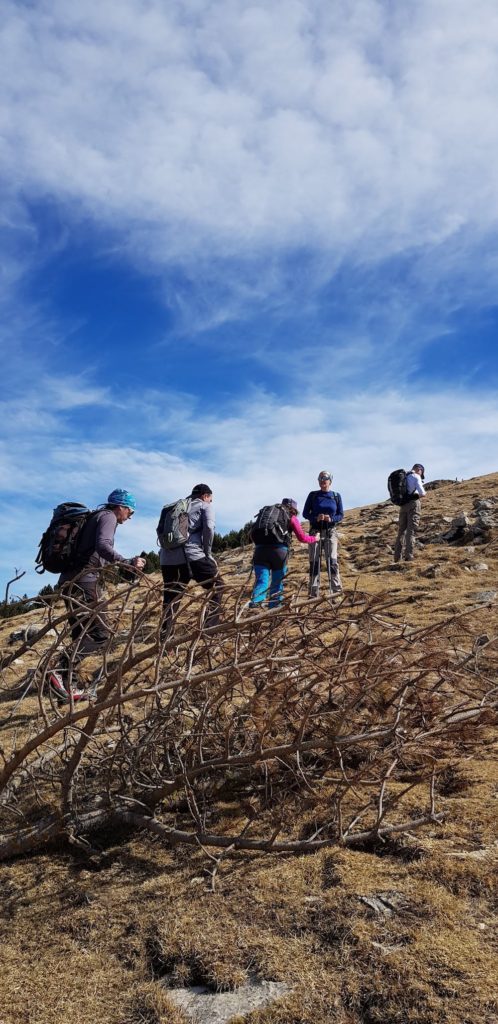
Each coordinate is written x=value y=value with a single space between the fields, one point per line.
x=172 y=528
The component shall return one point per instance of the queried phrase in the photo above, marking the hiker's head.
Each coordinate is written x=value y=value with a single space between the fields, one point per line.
x=291 y=504
x=122 y=503
x=325 y=479
x=418 y=468
x=202 y=491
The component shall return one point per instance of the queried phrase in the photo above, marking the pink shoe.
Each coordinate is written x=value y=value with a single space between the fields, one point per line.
x=60 y=691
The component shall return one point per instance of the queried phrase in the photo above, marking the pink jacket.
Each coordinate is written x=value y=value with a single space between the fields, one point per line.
x=296 y=528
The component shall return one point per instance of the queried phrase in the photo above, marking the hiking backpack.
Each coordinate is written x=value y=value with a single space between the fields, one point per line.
x=272 y=525
x=58 y=550
x=396 y=485
x=172 y=528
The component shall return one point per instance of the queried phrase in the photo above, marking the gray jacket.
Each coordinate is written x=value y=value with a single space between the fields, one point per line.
x=96 y=545
x=200 y=536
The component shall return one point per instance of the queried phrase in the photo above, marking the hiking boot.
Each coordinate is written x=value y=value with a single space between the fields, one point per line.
x=59 y=689
x=210 y=621
x=250 y=610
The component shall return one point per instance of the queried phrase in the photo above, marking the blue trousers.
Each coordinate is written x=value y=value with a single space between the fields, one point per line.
x=270 y=568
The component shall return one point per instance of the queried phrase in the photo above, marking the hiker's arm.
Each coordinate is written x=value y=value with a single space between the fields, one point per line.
x=416 y=485
x=104 y=539
x=299 y=532
x=308 y=506
x=339 y=515
x=207 y=529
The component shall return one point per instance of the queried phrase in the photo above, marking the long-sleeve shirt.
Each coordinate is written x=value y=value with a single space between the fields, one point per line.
x=414 y=484
x=96 y=545
x=327 y=503
x=297 y=529
x=200 y=530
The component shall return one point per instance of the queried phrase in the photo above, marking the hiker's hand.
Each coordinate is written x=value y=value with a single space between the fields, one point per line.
x=138 y=562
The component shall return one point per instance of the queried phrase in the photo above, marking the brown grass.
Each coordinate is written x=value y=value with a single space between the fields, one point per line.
x=101 y=938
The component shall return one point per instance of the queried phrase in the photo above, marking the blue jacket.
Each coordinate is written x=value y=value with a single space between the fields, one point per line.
x=328 y=503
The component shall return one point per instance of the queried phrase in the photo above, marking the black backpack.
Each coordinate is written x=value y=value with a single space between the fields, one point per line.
x=172 y=528
x=272 y=525
x=58 y=550
x=396 y=485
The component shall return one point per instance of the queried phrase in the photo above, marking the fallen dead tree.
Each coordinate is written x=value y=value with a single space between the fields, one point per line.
x=316 y=724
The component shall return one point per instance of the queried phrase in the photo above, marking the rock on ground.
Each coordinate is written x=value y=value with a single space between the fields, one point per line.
x=204 y=1007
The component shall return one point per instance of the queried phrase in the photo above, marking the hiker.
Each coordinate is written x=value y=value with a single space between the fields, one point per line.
x=409 y=513
x=90 y=632
x=272 y=535
x=192 y=559
x=323 y=510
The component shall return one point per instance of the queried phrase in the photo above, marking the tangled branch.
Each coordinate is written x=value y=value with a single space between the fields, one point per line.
x=319 y=723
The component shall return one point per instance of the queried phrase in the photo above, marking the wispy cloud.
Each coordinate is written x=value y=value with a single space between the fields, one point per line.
x=311 y=188
x=285 y=125
x=261 y=450
x=234 y=144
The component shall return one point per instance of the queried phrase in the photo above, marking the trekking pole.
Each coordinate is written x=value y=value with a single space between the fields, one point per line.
x=314 y=585
x=328 y=556
x=319 y=565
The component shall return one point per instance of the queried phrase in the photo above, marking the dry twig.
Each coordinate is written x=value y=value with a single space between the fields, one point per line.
x=318 y=702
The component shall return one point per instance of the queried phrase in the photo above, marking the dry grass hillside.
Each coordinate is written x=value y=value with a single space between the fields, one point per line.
x=288 y=819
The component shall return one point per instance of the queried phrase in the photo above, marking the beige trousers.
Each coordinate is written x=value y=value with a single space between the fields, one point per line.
x=408 y=524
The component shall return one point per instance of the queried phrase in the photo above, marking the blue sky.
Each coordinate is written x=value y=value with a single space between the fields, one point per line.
x=241 y=243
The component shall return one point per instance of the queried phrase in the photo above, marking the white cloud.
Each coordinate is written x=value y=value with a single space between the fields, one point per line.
x=38 y=411
x=284 y=124
x=261 y=452
x=230 y=136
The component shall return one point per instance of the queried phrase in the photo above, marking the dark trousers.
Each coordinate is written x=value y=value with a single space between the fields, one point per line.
x=177 y=577
x=89 y=629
